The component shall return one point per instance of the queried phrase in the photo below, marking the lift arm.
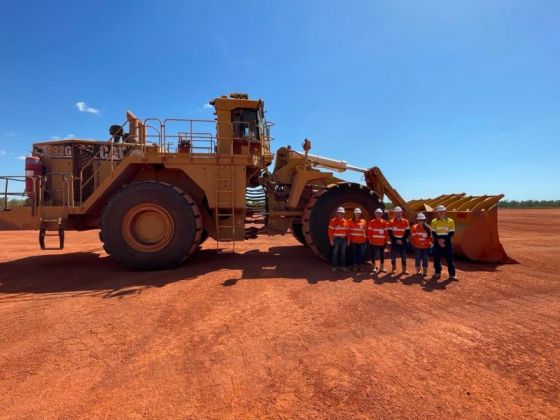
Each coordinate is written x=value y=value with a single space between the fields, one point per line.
x=377 y=182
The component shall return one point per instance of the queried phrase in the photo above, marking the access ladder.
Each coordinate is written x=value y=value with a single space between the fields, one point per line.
x=225 y=208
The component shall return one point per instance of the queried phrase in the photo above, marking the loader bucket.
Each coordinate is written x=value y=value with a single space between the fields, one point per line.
x=476 y=224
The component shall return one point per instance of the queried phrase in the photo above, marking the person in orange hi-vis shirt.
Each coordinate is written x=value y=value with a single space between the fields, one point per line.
x=399 y=231
x=357 y=237
x=421 y=240
x=378 y=238
x=338 y=239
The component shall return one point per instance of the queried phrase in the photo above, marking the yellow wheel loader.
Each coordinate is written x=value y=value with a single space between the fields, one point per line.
x=158 y=188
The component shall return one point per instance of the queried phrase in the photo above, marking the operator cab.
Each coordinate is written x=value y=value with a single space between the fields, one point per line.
x=241 y=126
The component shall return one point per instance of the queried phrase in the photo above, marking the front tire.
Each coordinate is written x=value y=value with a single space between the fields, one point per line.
x=322 y=208
x=150 y=225
x=297 y=232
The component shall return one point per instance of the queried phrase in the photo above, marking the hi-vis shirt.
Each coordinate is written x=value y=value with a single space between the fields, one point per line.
x=357 y=231
x=419 y=238
x=398 y=228
x=377 y=232
x=338 y=228
x=443 y=227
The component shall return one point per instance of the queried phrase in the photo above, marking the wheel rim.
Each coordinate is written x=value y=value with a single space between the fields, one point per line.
x=147 y=227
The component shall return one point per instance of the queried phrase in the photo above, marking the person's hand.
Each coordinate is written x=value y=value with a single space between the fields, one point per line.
x=399 y=242
x=441 y=242
x=331 y=242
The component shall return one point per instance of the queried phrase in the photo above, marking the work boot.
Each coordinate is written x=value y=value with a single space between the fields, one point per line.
x=437 y=276
x=355 y=267
x=394 y=269
x=374 y=270
x=344 y=269
x=382 y=269
x=425 y=272
x=333 y=270
x=404 y=271
x=454 y=277
x=417 y=270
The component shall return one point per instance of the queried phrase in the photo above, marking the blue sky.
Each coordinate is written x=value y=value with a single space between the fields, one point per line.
x=444 y=96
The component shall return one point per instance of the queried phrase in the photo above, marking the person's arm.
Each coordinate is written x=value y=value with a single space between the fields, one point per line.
x=451 y=229
x=406 y=232
x=428 y=230
x=390 y=232
x=331 y=233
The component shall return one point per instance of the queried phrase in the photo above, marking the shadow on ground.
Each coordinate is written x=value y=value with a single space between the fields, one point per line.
x=89 y=272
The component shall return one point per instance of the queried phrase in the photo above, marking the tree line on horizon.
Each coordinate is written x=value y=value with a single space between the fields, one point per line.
x=528 y=204
x=516 y=204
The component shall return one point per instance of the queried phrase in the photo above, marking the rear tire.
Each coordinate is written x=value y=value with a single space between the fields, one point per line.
x=203 y=236
x=150 y=225
x=322 y=207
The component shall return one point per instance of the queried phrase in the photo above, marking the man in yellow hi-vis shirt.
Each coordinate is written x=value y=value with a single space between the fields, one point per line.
x=443 y=229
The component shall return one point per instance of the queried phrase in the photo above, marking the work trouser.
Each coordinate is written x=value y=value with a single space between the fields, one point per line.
x=378 y=249
x=397 y=249
x=421 y=256
x=447 y=251
x=338 y=256
x=358 y=253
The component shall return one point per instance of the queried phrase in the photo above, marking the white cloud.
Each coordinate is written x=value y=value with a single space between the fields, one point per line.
x=21 y=157
x=205 y=107
x=2 y=152
x=9 y=133
x=66 y=137
x=82 y=107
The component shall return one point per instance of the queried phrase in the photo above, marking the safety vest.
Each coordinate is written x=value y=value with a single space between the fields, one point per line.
x=443 y=227
x=338 y=228
x=419 y=238
x=357 y=231
x=399 y=227
x=377 y=232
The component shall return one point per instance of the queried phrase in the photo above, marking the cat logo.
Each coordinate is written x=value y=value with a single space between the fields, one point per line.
x=111 y=152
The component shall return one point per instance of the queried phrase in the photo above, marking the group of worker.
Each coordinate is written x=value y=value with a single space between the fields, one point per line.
x=358 y=235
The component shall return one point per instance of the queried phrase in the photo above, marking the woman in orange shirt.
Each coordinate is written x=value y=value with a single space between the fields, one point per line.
x=357 y=238
x=421 y=240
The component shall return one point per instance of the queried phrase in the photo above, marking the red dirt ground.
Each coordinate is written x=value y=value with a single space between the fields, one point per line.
x=270 y=333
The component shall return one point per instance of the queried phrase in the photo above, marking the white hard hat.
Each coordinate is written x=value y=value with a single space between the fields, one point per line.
x=378 y=211
x=340 y=210
x=357 y=210
x=421 y=216
x=397 y=210
x=441 y=208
